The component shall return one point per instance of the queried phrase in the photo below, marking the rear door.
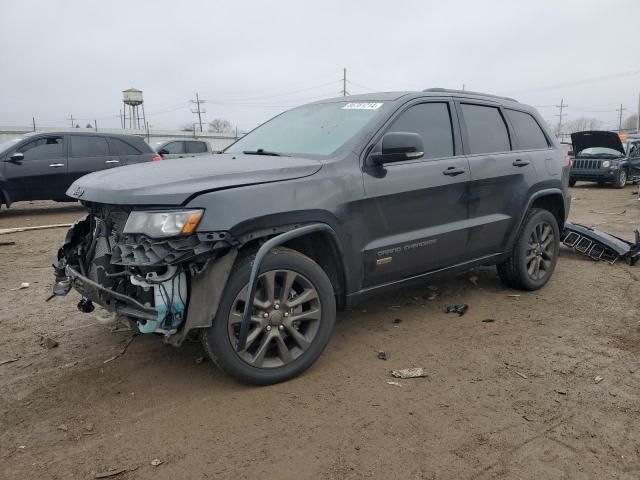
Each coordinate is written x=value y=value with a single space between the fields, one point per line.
x=196 y=147
x=41 y=175
x=500 y=176
x=88 y=153
x=416 y=210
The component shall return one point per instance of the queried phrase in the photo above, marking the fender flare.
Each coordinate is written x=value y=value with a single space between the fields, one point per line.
x=536 y=195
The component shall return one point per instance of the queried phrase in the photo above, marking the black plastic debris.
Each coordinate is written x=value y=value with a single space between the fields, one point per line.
x=599 y=245
x=459 y=309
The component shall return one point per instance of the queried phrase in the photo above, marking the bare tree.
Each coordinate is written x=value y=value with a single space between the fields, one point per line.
x=581 y=124
x=631 y=122
x=89 y=126
x=220 y=125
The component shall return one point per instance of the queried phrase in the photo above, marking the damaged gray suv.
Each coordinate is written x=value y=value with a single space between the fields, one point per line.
x=319 y=208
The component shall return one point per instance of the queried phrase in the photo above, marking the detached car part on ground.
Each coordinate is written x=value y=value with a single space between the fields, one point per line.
x=602 y=157
x=314 y=211
x=599 y=245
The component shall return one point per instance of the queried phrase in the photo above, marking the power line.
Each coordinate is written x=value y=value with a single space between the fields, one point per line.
x=584 y=81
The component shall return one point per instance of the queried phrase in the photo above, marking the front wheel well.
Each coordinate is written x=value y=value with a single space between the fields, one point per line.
x=554 y=203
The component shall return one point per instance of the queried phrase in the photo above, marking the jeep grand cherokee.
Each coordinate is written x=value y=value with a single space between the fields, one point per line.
x=316 y=210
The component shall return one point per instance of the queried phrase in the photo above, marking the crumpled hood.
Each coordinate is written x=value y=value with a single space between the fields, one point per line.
x=596 y=138
x=172 y=182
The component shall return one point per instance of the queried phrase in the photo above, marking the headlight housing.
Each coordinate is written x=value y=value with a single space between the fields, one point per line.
x=606 y=164
x=163 y=223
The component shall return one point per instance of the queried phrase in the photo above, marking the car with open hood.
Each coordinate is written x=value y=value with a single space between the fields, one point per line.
x=601 y=156
x=256 y=248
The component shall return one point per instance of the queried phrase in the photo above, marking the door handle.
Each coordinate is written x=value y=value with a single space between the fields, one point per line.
x=453 y=171
x=112 y=161
x=56 y=165
x=520 y=163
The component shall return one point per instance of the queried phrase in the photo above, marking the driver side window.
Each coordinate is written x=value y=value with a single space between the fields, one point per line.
x=432 y=121
x=42 y=148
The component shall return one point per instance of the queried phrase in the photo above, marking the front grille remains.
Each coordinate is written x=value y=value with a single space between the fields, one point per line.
x=586 y=164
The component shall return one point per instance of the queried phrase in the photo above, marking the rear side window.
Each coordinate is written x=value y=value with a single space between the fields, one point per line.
x=174 y=147
x=44 y=147
x=528 y=132
x=85 y=146
x=196 y=147
x=486 y=130
x=432 y=121
x=120 y=147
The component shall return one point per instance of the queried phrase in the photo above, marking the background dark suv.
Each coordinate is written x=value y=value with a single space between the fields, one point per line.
x=44 y=165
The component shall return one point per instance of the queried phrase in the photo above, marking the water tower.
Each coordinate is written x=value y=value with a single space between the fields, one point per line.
x=132 y=98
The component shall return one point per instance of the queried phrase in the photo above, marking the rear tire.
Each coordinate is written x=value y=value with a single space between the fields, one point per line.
x=535 y=253
x=621 y=179
x=286 y=335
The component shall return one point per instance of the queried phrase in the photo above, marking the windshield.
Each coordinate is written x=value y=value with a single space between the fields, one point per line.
x=599 y=152
x=8 y=144
x=318 y=129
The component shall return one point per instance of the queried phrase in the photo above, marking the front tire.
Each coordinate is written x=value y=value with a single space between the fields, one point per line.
x=621 y=179
x=292 y=319
x=535 y=253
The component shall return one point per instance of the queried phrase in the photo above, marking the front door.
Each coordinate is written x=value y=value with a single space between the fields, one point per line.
x=416 y=210
x=175 y=149
x=41 y=174
x=501 y=176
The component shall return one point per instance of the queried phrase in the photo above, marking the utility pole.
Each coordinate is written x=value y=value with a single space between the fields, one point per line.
x=34 y=123
x=71 y=118
x=562 y=106
x=463 y=87
x=344 y=82
x=198 y=110
x=621 y=109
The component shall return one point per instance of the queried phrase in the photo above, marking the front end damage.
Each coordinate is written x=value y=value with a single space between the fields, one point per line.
x=166 y=286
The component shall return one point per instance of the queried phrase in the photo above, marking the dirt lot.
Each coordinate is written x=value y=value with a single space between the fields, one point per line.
x=510 y=393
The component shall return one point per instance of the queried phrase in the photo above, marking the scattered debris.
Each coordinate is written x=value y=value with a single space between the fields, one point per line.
x=382 y=355
x=199 y=359
x=124 y=349
x=396 y=384
x=520 y=374
x=48 y=343
x=459 y=309
x=4 y=231
x=409 y=373
x=394 y=307
x=397 y=320
x=561 y=392
x=514 y=295
x=22 y=286
x=156 y=462
x=7 y=244
x=433 y=288
x=112 y=473
x=489 y=320
x=598 y=379
x=89 y=427
x=528 y=419
x=599 y=245
x=63 y=427
x=474 y=280
x=613 y=394
x=9 y=360
x=431 y=296
x=608 y=213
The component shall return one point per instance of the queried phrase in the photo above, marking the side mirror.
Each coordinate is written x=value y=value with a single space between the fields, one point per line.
x=163 y=151
x=398 y=147
x=16 y=157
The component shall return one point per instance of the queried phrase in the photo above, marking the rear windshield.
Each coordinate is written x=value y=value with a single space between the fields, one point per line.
x=316 y=130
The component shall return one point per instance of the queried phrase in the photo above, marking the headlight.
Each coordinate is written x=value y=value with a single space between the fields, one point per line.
x=158 y=223
x=606 y=164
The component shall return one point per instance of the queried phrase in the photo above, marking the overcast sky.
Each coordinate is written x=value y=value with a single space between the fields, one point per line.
x=253 y=59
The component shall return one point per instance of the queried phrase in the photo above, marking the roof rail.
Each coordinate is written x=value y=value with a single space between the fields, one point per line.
x=467 y=92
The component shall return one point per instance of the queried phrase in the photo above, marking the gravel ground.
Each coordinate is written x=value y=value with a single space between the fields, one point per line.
x=511 y=391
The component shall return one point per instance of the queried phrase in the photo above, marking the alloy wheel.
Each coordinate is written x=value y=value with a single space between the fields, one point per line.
x=285 y=318
x=540 y=251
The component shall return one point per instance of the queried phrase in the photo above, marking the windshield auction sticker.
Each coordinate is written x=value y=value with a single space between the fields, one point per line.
x=362 y=106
